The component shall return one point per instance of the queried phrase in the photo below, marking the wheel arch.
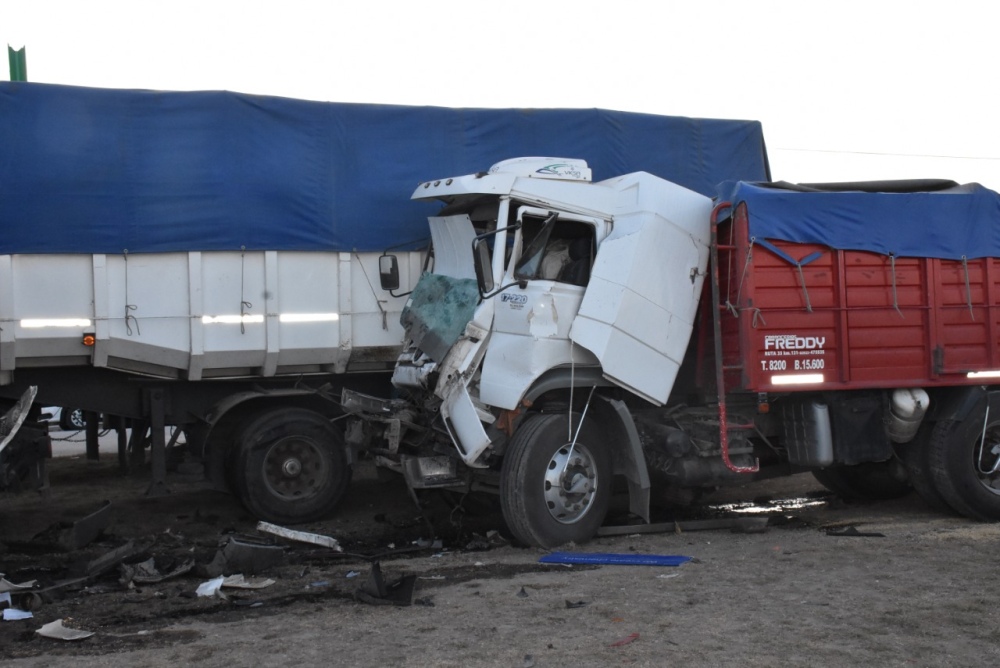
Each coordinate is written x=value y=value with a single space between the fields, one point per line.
x=615 y=418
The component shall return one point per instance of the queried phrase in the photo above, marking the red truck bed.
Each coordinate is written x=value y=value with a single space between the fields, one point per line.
x=799 y=316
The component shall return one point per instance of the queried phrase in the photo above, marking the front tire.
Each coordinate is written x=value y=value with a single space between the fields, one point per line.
x=552 y=491
x=291 y=466
x=963 y=456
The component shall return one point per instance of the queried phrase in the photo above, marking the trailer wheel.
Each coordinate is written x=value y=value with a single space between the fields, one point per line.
x=291 y=466
x=965 y=461
x=553 y=492
x=870 y=481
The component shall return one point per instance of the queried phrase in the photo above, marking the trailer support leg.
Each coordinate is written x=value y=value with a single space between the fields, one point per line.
x=158 y=447
x=122 y=444
x=92 y=420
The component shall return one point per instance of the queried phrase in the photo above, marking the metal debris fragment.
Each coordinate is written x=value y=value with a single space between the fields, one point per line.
x=299 y=536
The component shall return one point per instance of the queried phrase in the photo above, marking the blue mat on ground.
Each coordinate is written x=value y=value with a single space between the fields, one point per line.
x=614 y=559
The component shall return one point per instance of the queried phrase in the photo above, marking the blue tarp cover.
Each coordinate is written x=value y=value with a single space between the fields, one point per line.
x=100 y=171
x=946 y=224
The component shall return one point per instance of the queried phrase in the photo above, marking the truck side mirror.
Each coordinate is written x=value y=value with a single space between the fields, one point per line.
x=388 y=272
x=483 y=264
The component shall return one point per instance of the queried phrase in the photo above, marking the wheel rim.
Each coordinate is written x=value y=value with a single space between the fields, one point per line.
x=76 y=418
x=294 y=467
x=986 y=457
x=570 y=483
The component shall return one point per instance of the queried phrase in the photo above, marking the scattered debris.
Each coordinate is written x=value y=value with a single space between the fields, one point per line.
x=13 y=614
x=211 y=587
x=59 y=632
x=8 y=586
x=522 y=593
x=614 y=559
x=427 y=601
x=239 y=582
x=665 y=576
x=572 y=605
x=240 y=556
x=377 y=592
x=734 y=524
x=435 y=544
x=299 y=536
x=14 y=418
x=111 y=559
x=529 y=661
x=145 y=572
x=630 y=638
x=353 y=574
x=853 y=532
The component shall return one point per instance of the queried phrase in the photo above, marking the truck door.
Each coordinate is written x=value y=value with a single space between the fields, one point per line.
x=639 y=308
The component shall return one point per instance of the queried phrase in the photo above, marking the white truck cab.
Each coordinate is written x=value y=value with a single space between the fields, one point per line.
x=597 y=285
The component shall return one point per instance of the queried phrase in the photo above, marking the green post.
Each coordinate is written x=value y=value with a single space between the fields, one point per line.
x=18 y=64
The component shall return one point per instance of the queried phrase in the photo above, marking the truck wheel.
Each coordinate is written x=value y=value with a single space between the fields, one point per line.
x=548 y=494
x=871 y=481
x=291 y=466
x=916 y=458
x=963 y=457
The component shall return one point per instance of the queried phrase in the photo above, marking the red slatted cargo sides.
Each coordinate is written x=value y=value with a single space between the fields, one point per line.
x=852 y=319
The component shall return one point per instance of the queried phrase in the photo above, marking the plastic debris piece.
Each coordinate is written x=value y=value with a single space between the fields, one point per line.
x=83 y=531
x=240 y=556
x=239 y=582
x=353 y=574
x=630 y=638
x=145 y=572
x=210 y=587
x=8 y=586
x=319 y=583
x=614 y=559
x=664 y=576
x=59 y=632
x=572 y=605
x=377 y=592
x=300 y=536
x=13 y=614
x=852 y=531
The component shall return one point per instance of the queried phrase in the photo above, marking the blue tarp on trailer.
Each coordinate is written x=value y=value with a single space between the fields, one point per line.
x=950 y=223
x=101 y=171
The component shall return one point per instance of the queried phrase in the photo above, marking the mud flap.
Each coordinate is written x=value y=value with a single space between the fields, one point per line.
x=627 y=456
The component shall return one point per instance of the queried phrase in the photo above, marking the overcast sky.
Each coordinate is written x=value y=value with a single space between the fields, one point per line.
x=846 y=90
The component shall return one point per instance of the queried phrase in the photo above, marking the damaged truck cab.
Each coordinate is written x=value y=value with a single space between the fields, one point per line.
x=570 y=332
x=549 y=296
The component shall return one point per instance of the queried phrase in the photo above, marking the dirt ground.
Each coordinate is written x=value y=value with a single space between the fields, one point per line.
x=922 y=593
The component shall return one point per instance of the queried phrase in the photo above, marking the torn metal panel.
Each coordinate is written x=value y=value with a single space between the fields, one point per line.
x=299 y=536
